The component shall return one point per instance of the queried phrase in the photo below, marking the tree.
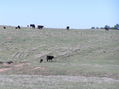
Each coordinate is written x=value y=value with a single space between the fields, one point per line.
x=106 y=26
x=92 y=27
x=116 y=26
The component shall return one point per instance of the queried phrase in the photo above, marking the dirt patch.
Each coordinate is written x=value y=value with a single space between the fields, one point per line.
x=11 y=66
x=21 y=65
x=4 y=69
x=39 y=68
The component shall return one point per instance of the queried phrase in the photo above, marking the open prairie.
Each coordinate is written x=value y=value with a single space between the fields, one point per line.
x=83 y=59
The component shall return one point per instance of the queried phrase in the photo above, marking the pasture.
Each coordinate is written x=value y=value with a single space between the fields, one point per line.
x=84 y=59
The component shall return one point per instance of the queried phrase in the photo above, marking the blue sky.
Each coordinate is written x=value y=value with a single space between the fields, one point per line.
x=60 y=13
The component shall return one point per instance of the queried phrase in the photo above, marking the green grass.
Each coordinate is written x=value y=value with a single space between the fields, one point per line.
x=91 y=54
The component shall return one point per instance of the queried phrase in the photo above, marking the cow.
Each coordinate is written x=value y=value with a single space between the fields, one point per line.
x=40 y=27
x=67 y=27
x=41 y=60
x=9 y=62
x=4 y=27
x=32 y=25
x=106 y=27
x=18 y=27
x=49 y=58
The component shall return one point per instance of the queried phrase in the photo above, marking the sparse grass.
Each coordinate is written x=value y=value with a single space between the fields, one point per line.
x=56 y=82
x=89 y=53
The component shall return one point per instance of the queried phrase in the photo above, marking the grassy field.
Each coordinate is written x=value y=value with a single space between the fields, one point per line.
x=84 y=59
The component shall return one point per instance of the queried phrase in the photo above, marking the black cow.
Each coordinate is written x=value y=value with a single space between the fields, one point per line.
x=18 y=27
x=4 y=27
x=107 y=29
x=49 y=58
x=67 y=27
x=32 y=25
x=40 y=27
x=41 y=60
x=9 y=62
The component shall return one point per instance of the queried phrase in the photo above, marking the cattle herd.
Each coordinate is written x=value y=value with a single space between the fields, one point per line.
x=41 y=27
x=49 y=58
x=31 y=26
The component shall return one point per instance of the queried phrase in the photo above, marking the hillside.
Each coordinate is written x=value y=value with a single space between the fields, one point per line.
x=83 y=54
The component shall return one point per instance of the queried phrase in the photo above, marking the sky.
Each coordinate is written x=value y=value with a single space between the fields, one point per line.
x=60 y=13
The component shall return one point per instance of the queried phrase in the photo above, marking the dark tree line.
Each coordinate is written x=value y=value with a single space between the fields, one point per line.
x=115 y=27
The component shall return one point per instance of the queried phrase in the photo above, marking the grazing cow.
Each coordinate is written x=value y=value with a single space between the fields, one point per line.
x=49 y=58
x=106 y=27
x=67 y=27
x=40 y=27
x=9 y=62
x=41 y=60
x=32 y=25
x=4 y=27
x=18 y=27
